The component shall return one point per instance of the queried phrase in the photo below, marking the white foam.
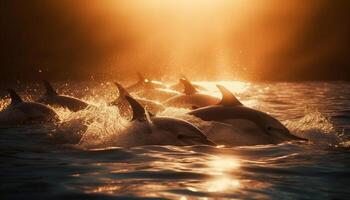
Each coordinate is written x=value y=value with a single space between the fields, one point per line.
x=316 y=127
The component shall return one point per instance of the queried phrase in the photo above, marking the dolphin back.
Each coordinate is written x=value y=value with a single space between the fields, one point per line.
x=71 y=103
x=267 y=124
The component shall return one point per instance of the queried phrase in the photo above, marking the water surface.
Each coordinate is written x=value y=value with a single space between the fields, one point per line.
x=52 y=162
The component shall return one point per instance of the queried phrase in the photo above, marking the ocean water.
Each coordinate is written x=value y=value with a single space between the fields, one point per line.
x=76 y=159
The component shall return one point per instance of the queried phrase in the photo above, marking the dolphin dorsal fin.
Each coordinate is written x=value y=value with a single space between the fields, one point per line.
x=15 y=98
x=141 y=78
x=228 y=99
x=189 y=89
x=122 y=91
x=49 y=89
x=183 y=76
x=138 y=111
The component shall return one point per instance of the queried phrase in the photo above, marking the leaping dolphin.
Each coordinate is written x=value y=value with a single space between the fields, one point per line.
x=124 y=105
x=239 y=125
x=191 y=98
x=21 y=113
x=52 y=98
x=146 y=129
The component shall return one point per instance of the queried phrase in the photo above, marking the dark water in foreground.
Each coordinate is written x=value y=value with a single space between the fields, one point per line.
x=35 y=163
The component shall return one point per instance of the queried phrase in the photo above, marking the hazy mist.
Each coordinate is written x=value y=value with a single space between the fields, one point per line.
x=223 y=39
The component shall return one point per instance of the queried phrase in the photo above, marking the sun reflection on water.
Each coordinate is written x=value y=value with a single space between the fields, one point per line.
x=222 y=184
x=223 y=181
x=222 y=164
x=108 y=189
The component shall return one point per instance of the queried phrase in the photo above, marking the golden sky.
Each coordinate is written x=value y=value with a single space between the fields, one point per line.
x=221 y=39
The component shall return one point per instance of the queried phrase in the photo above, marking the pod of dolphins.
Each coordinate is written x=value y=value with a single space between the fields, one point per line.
x=233 y=124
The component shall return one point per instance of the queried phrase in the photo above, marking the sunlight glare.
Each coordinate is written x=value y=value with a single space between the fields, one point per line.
x=222 y=184
x=234 y=86
x=222 y=164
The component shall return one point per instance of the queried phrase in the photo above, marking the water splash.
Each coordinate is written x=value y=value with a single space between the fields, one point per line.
x=316 y=127
x=169 y=172
x=97 y=125
x=4 y=103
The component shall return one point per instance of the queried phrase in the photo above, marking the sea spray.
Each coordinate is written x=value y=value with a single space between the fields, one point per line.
x=316 y=127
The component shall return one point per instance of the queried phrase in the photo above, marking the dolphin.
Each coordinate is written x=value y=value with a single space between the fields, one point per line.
x=124 y=105
x=22 y=113
x=237 y=125
x=152 y=90
x=52 y=98
x=179 y=86
x=145 y=83
x=146 y=129
x=191 y=98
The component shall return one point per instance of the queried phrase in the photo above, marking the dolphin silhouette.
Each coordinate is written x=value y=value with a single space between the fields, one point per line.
x=52 y=98
x=146 y=129
x=179 y=86
x=236 y=125
x=21 y=113
x=151 y=90
x=191 y=98
x=145 y=83
x=124 y=105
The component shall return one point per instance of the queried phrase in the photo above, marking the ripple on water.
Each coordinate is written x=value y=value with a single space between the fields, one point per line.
x=77 y=159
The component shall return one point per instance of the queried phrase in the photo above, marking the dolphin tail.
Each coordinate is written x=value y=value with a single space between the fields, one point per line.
x=49 y=89
x=189 y=89
x=15 y=98
x=139 y=112
x=228 y=99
